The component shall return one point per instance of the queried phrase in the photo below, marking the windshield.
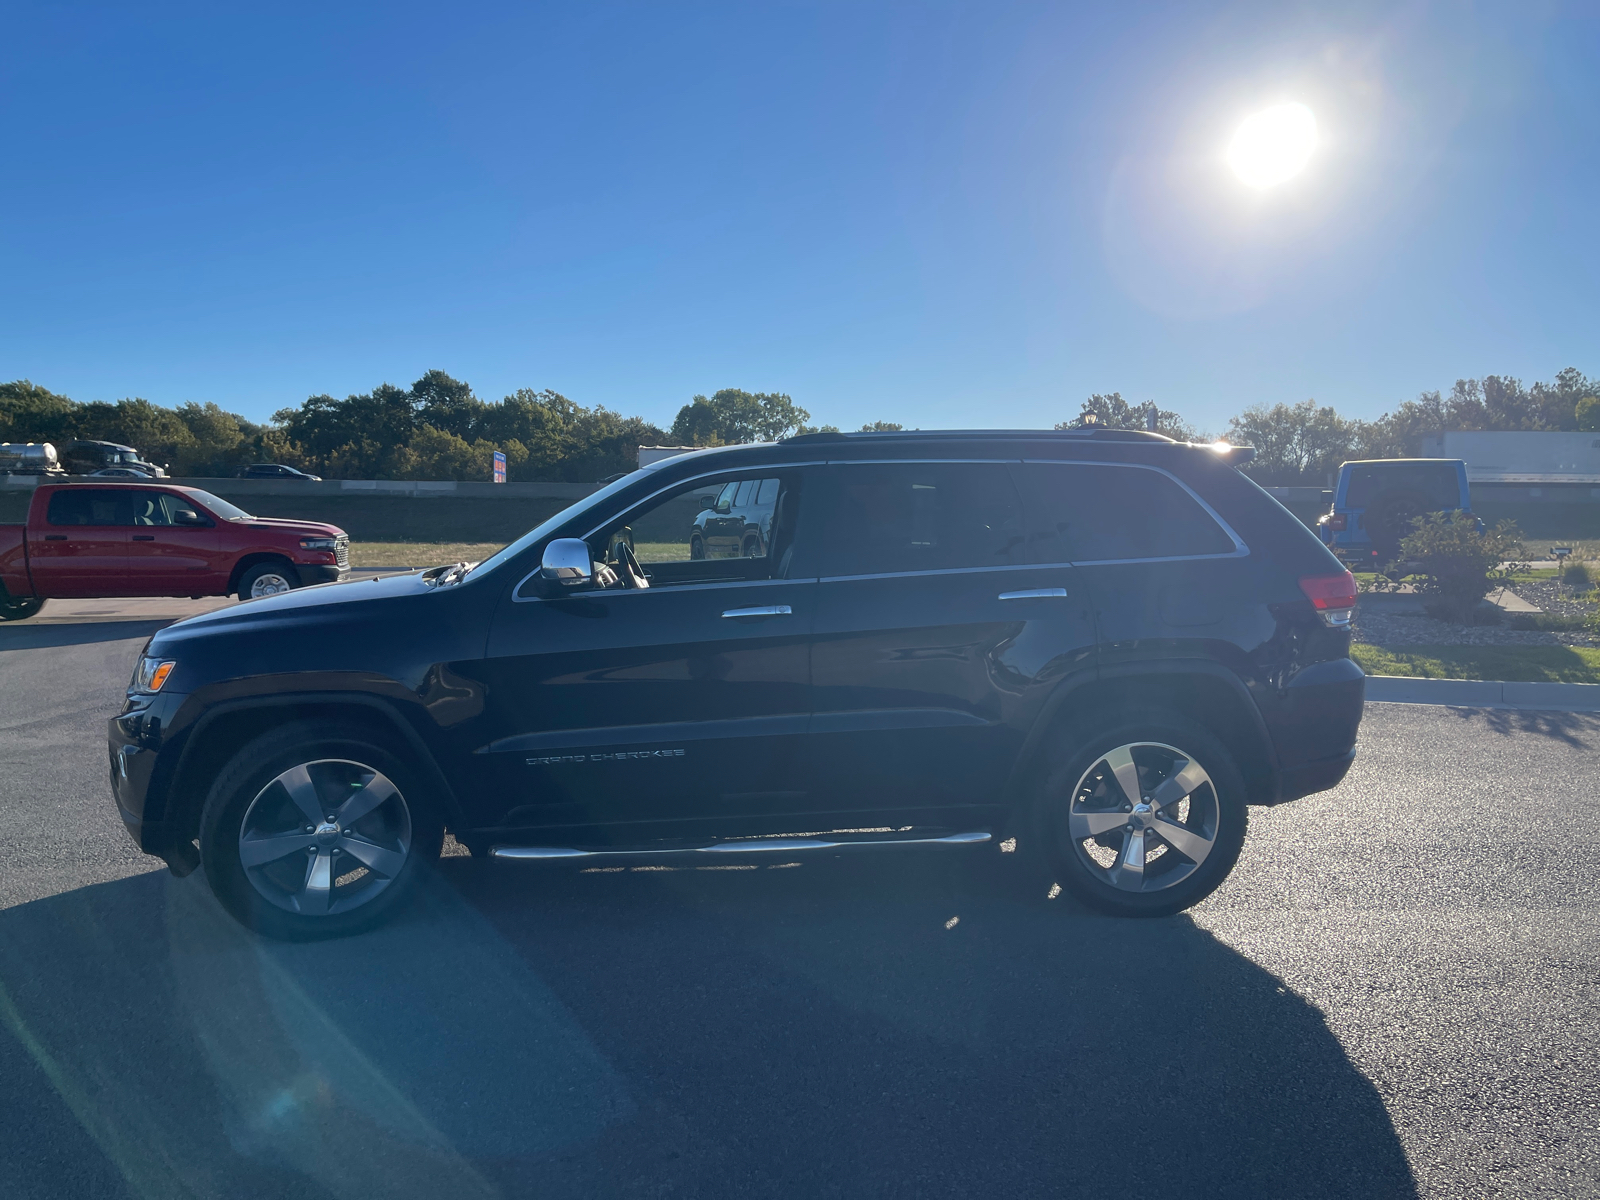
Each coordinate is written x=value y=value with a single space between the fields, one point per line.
x=548 y=526
x=220 y=507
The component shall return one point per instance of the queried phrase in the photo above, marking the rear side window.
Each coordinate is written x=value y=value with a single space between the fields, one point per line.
x=1439 y=484
x=89 y=506
x=888 y=517
x=1080 y=512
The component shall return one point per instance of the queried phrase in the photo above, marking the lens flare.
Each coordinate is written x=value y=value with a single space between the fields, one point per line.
x=1273 y=145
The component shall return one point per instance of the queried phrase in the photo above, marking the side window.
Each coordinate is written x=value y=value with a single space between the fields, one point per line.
x=768 y=495
x=89 y=506
x=742 y=498
x=888 y=517
x=149 y=508
x=1080 y=512
x=679 y=538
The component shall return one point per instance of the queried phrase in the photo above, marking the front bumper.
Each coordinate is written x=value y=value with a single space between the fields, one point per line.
x=134 y=739
x=319 y=573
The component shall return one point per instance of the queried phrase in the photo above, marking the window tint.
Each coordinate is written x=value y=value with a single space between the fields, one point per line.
x=920 y=517
x=90 y=506
x=1092 y=513
x=148 y=508
x=1437 y=483
x=678 y=528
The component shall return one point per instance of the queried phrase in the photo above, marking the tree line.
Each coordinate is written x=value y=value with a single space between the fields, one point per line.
x=1304 y=443
x=438 y=429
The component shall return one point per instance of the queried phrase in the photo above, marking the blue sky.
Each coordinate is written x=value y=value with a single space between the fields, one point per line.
x=939 y=214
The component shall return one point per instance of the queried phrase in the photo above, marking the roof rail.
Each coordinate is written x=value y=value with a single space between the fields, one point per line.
x=1097 y=432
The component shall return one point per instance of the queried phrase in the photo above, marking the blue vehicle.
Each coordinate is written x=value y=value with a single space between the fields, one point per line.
x=1376 y=501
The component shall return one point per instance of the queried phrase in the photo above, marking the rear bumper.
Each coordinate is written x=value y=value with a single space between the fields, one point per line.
x=1314 y=776
x=1314 y=729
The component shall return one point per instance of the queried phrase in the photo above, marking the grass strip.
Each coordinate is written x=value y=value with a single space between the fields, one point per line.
x=418 y=554
x=1509 y=664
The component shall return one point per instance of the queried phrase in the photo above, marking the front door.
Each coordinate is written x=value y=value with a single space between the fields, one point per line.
x=648 y=709
x=935 y=639
x=82 y=549
x=172 y=547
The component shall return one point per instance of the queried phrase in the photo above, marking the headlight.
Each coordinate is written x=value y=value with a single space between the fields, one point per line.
x=318 y=543
x=151 y=673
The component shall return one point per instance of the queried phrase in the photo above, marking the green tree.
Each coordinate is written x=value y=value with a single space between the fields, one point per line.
x=733 y=416
x=1295 y=443
x=1111 y=411
x=1588 y=413
x=30 y=413
x=882 y=427
x=447 y=404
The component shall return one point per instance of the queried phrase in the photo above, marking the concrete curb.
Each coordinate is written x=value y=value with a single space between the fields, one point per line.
x=1475 y=693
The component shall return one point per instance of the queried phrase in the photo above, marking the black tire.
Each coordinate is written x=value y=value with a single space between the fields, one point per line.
x=697 y=549
x=254 y=898
x=19 y=608
x=256 y=572
x=1219 y=805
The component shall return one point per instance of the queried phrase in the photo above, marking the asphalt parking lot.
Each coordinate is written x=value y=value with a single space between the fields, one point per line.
x=1396 y=994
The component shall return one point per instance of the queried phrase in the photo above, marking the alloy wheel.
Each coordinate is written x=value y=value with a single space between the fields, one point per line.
x=1144 y=817
x=325 y=837
x=269 y=584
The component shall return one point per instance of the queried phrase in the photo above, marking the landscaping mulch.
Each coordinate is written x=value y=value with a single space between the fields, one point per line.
x=1375 y=626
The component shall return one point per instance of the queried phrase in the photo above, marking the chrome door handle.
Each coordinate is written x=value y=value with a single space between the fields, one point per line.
x=766 y=610
x=1036 y=594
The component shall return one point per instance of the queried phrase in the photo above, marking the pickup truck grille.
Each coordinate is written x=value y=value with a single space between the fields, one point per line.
x=341 y=552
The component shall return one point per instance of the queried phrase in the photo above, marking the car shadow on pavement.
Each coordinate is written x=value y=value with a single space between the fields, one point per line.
x=1579 y=730
x=77 y=633
x=920 y=1026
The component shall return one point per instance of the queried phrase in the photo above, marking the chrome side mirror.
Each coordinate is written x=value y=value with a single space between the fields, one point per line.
x=567 y=563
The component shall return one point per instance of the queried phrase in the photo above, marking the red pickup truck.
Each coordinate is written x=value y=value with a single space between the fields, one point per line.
x=136 y=539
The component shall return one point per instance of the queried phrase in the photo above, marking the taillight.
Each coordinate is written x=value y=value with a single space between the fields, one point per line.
x=1333 y=596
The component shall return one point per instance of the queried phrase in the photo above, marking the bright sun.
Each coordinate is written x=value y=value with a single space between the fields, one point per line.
x=1273 y=145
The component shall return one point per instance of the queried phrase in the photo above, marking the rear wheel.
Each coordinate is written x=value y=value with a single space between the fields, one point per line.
x=19 y=608
x=1145 y=818
x=697 y=548
x=267 y=579
x=314 y=832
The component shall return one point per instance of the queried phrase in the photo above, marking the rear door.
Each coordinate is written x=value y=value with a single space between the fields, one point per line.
x=935 y=638
x=169 y=554
x=81 y=549
x=1158 y=565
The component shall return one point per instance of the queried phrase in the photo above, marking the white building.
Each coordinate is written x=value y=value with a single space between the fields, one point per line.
x=1538 y=464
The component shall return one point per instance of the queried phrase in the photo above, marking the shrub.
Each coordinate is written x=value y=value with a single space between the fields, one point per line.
x=1577 y=577
x=1456 y=564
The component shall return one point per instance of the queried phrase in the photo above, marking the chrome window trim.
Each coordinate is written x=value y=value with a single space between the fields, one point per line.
x=1240 y=549
x=660 y=589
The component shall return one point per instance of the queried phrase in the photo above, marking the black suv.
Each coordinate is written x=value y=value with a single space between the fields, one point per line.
x=1101 y=644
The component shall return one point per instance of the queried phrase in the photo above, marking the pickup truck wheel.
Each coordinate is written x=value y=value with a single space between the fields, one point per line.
x=1145 y=818
x=313 y=832
x=19 y=608
x=267 y=579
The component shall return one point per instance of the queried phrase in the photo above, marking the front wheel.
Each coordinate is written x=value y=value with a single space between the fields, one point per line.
x=1146 y=818
x=267 y=579
x=313 y=832
x=19 y=608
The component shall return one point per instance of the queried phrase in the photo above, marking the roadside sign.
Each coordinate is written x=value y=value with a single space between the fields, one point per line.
x=499 y=466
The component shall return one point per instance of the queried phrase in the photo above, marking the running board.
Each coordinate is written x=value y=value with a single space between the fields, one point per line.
x=745 y=846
